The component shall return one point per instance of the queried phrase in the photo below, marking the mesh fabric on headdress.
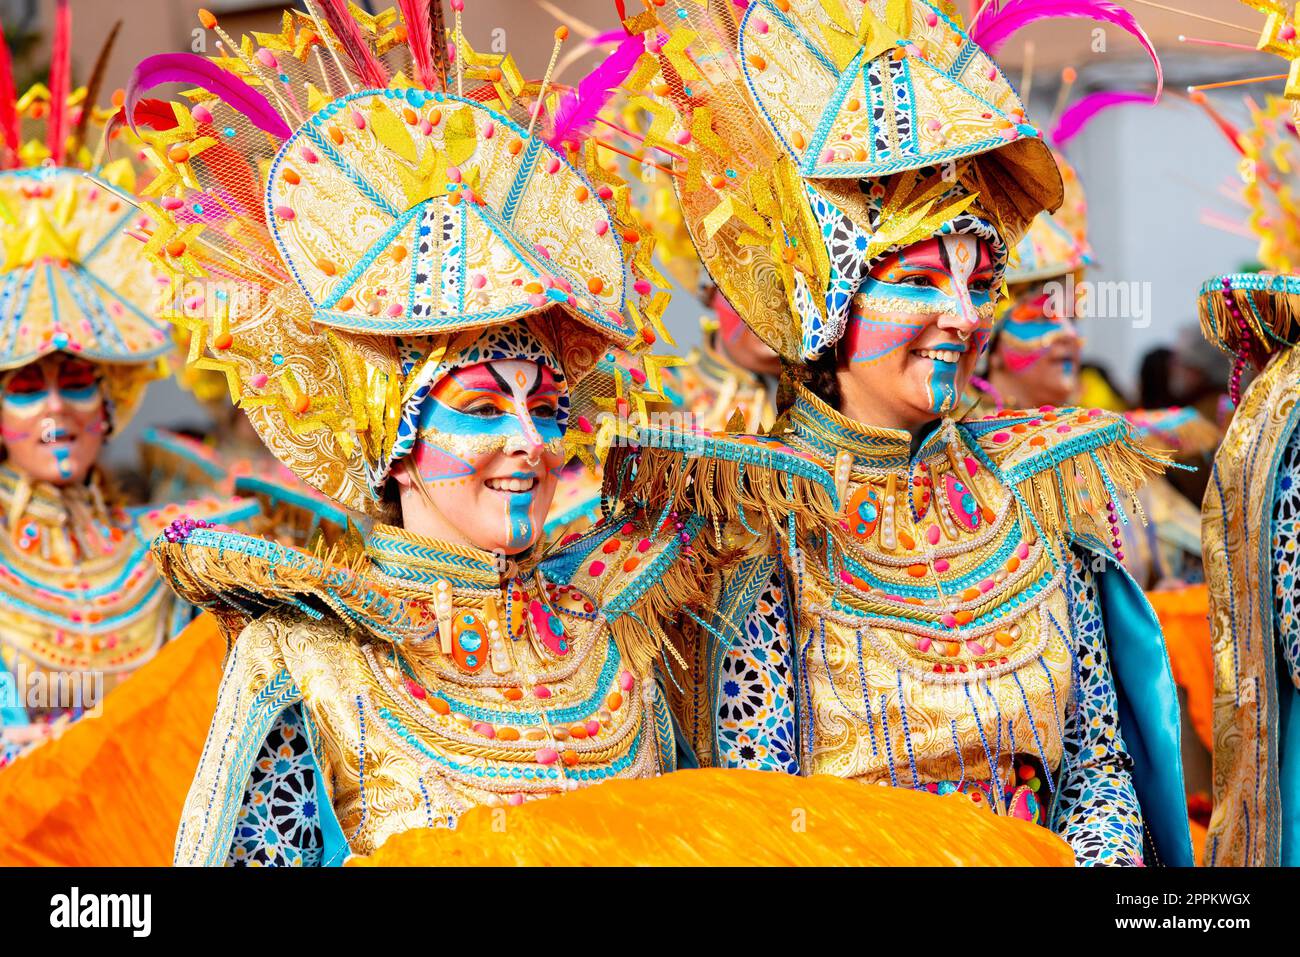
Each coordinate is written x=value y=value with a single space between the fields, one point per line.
x=795 y=98
x=342 y=198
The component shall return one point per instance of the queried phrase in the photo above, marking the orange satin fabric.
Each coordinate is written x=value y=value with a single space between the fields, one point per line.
x=1184 y=616
x=109 y=790
x=704 y=818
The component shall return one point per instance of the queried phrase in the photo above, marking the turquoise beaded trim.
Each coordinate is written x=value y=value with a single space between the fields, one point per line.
x=279 y=492
x=524 y=772
x=1010 y=605
x=725 y=448
x=119 y=620
x=584 y=709
x=650 y=573
x=986 y=569
x=401 y=558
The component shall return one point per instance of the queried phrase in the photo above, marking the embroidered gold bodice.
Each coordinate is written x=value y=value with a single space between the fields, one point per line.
x=936 y=650
x=448 y=680
x=79 y=596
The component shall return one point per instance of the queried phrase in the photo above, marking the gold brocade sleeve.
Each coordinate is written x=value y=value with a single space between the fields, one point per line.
x=1245 y=829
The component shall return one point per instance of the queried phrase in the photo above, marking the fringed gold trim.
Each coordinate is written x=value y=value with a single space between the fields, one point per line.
x=759 y=499
x=1069 y=499
x=1272 y=318
x=641 y=636
x=336 y=576
x=762 y=499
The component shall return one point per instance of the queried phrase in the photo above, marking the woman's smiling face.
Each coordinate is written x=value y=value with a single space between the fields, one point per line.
x=916 y=329
x=53 y=418
x=1039 y=348
x=489 y=454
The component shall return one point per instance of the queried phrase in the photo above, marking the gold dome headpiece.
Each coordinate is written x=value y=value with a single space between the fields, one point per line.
x=780 y=112
x=72 y=280
x=349 y=203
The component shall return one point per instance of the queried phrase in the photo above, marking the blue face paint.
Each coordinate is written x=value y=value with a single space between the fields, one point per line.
x=943 y=380
x=61 y=462
x=26 y=400
x=437 y=417
x=519 y=509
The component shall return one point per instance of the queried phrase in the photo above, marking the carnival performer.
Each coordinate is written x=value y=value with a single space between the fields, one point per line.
x=1249 y=529
x=917 y=601
x=1249 y=535
x=81 y=605
x=1033 y=361
x=416 y=366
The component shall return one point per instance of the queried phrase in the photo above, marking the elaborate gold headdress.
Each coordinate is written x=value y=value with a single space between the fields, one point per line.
x=72 y=279
x=776 y=118
x=347 y=204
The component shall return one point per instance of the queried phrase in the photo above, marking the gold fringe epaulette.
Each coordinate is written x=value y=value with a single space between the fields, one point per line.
x=756 y=480
x=240 y=578
x=1074 y=468
x=641 y=575
x=1181 y=430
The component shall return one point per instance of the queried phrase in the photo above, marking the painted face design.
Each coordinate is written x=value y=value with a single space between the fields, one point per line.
x=490 y=449
x=919 y=323
x=1040 y=346
x=1035 y=329
x=53 y=419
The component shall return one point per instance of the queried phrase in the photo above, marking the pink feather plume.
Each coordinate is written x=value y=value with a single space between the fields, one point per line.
x=997 y=21
x=577 y=112
x=1087 y=109
x=60 y=82
x=194 y=70
x=419 y=40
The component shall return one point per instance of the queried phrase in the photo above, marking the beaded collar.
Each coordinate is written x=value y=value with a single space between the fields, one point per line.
x=414 y=558
x=64 y=526
x=829 y=434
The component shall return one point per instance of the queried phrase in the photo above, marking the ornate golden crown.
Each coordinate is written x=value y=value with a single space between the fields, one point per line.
x=72 y=279
x=346 y=204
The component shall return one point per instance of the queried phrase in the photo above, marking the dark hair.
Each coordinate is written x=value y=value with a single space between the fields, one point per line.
x=820 y=377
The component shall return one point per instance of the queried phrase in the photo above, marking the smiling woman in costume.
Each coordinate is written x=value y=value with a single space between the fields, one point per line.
x=921 y=602
x=415 y=365
x=81 y=607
